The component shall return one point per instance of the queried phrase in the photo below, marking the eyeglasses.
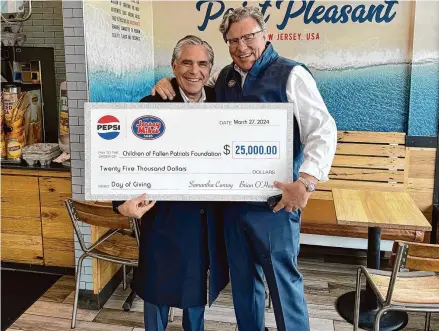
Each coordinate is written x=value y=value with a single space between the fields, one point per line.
x=246 y=39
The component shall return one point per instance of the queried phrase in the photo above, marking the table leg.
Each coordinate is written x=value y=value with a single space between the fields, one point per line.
x=373 y=262
x=392 y=320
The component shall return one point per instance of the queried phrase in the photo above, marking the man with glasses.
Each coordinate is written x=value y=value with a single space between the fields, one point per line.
x=258 y=240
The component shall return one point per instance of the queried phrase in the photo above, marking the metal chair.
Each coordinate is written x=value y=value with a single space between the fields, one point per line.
x=117 y=245
x=416 y=291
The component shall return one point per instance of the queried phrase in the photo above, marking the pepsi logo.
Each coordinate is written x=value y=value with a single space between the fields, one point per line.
x=148 y=127
x=108 y=127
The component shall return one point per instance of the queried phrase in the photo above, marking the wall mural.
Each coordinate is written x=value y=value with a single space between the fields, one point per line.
x=119 y=46
x=360 y=53
x=424 y=79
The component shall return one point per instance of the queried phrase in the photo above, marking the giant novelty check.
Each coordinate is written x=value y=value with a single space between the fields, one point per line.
x=182 y=151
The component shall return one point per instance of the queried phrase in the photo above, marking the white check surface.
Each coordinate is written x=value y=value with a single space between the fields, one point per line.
x=205 y=152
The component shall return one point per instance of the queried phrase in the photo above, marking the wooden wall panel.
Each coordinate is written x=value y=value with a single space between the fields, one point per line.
x=22 y=248
x=376 y=175
x=35 y=226
x=23 y=172
x=21 y=224
x=357 y=161
x=57 y=228
x=420 y=179
x=371 y=149
x=102 y=271
x=371 y=137
x=58 y=252
x=20 y=196
x=359 y=185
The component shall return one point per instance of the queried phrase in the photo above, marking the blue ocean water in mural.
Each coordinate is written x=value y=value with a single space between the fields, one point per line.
x=375 y=98
x=372 y=98
x=129 y=87
x=361 y=99
x=424 y=100
x=161 y=72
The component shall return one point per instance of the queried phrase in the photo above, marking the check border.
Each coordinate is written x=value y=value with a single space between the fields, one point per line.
x=90 y=106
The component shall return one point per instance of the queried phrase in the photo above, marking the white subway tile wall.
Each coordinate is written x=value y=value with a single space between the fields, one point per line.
x=77 y=95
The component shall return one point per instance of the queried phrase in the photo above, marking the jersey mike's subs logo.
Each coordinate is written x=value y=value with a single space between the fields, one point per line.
x=148 y=127
x=108 y=127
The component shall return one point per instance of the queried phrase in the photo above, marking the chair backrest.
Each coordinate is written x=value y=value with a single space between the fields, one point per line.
x=103 y=203
x=417 y=256
x=368 y=160
x=98 y=214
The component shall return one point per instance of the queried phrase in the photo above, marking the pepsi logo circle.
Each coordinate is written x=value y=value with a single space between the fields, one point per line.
x=108 y=127
x=148 y=127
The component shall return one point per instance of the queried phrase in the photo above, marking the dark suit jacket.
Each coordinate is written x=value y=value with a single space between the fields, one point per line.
x=179 y=242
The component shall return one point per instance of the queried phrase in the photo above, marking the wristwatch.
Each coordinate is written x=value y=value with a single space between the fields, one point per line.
x=310 y=186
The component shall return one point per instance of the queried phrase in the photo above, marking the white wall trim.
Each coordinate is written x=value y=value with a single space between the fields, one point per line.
x=342 y=242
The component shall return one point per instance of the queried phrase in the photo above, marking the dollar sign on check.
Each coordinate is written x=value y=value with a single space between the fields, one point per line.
x=226 y=149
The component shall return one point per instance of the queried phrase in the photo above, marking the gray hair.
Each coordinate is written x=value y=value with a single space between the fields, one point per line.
x=191 y=40
x=238 y=14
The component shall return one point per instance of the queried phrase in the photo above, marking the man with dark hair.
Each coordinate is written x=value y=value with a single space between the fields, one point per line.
x=257 y=239
x=175 y=252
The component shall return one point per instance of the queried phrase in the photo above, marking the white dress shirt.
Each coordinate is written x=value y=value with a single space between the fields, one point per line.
x=187 y=100
x=318 y=131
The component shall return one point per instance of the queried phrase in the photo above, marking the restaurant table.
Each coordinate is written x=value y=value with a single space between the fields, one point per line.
x=376 y=210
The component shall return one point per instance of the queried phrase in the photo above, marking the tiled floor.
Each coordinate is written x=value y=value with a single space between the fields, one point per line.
x=324 y=282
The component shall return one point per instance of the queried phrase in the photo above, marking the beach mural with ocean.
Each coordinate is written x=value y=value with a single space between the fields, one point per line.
x=360 y=53
x=424 y=83
x=119 y=49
